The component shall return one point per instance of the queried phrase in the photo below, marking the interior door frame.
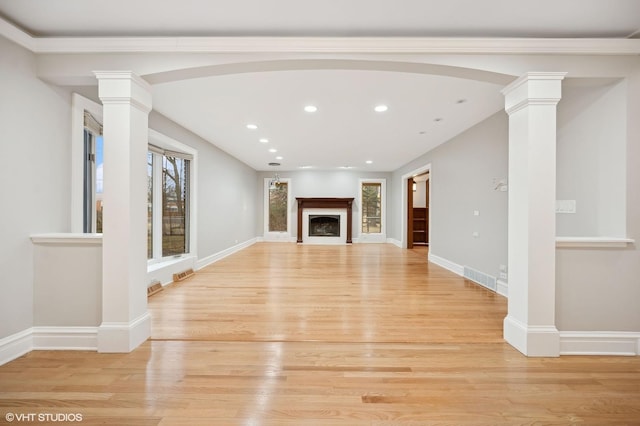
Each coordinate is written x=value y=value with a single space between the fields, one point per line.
x=405 y=225
x=410 y=183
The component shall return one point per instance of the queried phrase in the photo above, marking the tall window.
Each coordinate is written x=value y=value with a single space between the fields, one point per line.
x=278 y=206
x=277 y=209
x=371 y=208
x=175 y=178
x=169 y=200
x=149 y=205
x=92 y=175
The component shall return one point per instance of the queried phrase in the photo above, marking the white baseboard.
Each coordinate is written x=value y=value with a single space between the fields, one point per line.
x=599 y=343
x=276 y=240
x=65 y=338
x=206 y=261
x=447 y=264
x=16 y=345
x=503 y=288
x=370 y=239
x=395 y=242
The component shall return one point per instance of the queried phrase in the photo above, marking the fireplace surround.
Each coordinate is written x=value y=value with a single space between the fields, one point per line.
x=325 y=203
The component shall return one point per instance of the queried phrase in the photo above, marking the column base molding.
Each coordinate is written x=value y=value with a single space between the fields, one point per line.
x=533 y=341
x=117 y=337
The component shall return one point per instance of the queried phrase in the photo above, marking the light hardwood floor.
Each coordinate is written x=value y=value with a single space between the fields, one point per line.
x=286 y=334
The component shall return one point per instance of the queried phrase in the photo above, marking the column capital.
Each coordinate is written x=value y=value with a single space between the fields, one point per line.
x=533 y=88
x=117 y=87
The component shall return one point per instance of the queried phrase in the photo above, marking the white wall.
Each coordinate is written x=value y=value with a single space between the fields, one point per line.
x=227 y=192
x=310 y=183
x=592 y=136
x=35 y=137
x=462 y=181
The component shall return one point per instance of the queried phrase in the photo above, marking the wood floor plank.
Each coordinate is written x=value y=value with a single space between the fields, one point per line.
x=286 y=334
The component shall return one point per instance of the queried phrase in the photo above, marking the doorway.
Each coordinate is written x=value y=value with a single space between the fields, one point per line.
x=418 y=188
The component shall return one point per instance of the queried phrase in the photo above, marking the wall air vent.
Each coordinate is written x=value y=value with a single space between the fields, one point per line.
x=480 y=278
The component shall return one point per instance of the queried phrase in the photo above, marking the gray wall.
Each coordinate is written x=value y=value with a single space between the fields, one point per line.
x=596 y=289
x=310 y=183
x=227 y=191
x=599 y=289
x=590 y=165
x=462 y=175
x=35 y=136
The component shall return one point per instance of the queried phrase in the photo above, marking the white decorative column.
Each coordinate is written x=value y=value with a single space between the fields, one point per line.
x=531 y=103
x=126 y=100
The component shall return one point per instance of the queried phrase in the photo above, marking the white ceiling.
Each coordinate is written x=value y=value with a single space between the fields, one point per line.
x=345 y=131
x=424 y=18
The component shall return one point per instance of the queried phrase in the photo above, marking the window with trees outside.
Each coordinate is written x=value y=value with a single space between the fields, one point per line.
x=168 y=183
x=175 y=224
x=168 y=200
x=278 y=207
x=371 y=202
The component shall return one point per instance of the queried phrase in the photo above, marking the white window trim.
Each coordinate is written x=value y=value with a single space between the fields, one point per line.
x=79 y=104
x=167 y=143
x=278 y=236
x=380 y=237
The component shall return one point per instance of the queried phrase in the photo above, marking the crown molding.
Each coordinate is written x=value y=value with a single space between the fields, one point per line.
x=16 y=35
x=338 y=45
x=432 y=45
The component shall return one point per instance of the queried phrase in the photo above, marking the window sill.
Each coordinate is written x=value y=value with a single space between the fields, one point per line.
x=165 y=263
x=593 y=242
x=67 y=238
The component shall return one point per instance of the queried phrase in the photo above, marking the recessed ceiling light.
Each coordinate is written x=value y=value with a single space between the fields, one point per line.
x=461 y=101
x=346 y=167
x=264 y=140
x=279 y=157
x=422 y=132
x=252 y=126
x=437 y=119
x=310 y=108
x=369 y=162
x=380 y=108
x=305 y=167
x=273 y=150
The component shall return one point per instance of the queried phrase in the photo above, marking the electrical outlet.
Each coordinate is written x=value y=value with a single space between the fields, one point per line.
x=565 y=206
x=503 y=276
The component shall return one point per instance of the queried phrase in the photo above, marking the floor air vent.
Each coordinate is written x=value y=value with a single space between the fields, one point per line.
x=154 y=288
x=481 y=278
x=180 y=276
